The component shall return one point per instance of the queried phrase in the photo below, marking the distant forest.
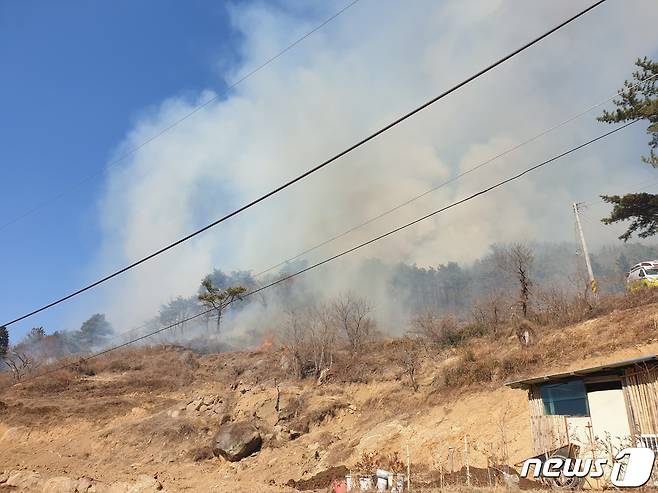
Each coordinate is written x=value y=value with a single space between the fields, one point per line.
x=456 y=288
x=410 y=291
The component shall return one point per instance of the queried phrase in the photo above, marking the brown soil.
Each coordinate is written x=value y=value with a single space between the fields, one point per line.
x=128 y=417
x=321 y=480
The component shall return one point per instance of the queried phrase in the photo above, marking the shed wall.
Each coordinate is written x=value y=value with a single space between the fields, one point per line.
x=640 y=386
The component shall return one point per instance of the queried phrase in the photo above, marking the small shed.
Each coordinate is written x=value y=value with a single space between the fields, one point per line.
x=608 y=406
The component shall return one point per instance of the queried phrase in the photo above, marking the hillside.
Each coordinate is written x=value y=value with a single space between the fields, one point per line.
x=144 y=419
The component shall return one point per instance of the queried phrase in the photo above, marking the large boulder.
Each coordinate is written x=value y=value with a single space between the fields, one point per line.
x=235 y=441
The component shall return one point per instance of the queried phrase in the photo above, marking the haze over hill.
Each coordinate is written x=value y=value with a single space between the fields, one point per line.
x=363 y=69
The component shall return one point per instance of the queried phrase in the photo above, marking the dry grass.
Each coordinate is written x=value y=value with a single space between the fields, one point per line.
x=493 y=360
x=52 y=383
x=103 y=387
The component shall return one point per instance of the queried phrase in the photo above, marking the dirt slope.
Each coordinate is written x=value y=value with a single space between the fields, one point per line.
x=154 y=412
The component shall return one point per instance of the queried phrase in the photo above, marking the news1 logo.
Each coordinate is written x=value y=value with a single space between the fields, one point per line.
x=631 y=468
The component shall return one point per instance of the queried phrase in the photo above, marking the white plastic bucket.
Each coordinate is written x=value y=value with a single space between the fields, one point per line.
x=365 y=483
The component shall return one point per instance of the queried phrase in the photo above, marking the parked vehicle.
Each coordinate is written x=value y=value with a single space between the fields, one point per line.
x=643 y=275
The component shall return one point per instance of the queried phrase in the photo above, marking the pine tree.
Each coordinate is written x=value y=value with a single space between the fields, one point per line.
x=94 y=331
x=4 y=341
x=218 y=299
x=638 y=99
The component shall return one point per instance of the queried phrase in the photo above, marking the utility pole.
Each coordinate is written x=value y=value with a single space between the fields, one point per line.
x=592 y=281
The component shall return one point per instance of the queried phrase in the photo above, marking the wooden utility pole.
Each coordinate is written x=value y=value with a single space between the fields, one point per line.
x=590 y=273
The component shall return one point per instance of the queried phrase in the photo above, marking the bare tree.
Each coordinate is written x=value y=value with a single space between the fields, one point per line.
x=516 y=260
x=294 y=338
x=351 y=315
x=408 y=358
x=442 y=331
x=310 y=339
x=322 y=339
x=20 y=364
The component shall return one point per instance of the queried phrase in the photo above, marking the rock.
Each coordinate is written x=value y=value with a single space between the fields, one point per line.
x=235 y=441
x=61 y=484
x=24 y=480
x=84 y=484
x=145 y=484
x=4 y=477
x=194 y=405
x=297 y=428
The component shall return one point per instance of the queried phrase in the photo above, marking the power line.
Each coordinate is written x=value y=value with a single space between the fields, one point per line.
x=454 y=204
x=354 y=248
x=447 y=182
x=312 y=170
x=178 y=121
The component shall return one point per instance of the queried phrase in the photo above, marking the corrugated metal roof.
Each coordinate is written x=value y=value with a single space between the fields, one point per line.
x=519 y=384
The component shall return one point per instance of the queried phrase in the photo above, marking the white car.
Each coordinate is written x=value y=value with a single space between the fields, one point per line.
x=644 y=274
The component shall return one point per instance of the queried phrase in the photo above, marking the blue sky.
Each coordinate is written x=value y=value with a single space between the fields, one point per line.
x=82 y=80
x=74 y=76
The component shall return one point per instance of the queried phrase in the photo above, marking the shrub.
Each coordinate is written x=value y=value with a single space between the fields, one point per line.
x=123 y=365
x=471 y=369
x=441 y=331
x=490 y=315
x=516 y=364
x=556 y=307
x=52 y=383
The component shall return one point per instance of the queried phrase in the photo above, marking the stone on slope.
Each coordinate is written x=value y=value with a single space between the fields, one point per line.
x=235 y=441
x=24 y=480
x=61 y=484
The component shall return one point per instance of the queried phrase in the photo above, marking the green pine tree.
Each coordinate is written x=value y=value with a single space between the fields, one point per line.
x=4 y=341
x=218 y=299
x=638 y=99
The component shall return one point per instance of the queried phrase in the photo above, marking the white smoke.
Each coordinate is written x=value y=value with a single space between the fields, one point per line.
x=373 y=63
